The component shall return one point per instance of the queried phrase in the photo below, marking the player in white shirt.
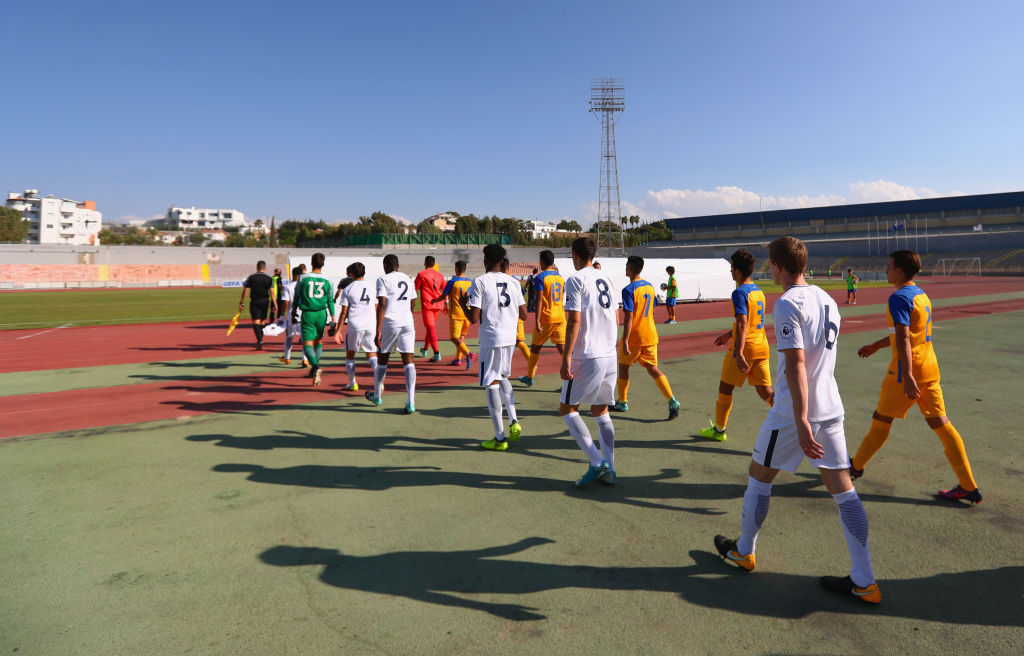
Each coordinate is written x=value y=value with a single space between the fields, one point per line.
x=589 y=363
x=496 y=302
x=359 y=307
x=805 y=421
x=290 y=329
x=395 y=330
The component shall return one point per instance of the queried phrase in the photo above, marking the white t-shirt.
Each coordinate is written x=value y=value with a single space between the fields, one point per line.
x=498 y=295
x=361 y=304
x=288 y=294
x=807 y=318
x=590 y=292
x=399 y=290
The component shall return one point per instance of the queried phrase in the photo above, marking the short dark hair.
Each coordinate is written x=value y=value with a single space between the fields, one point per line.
x=460 y=267
x=296 y=271
x=428 y=261
x=743 y=261
x=348 y=270
x=547 y=258
x=358 y=269
x=908 y=262
x=635 y=262
x=789 y=253
x=261 y=265
x=494 y=253
x=505 y=264
x=318 y=260
x=670 y=270
x=585 y=248
x=535 y=270
x=391 y=262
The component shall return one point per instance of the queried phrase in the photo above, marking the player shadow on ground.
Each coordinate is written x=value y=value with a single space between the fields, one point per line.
x=985 y=597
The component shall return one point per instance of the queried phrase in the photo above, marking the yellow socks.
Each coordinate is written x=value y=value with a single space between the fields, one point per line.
x=666 y=389
x=872 y=442
x=531 y=364
x=525 y=350
x=463 y=351
x=956 y=455
x=623 y=388
x=722 y=408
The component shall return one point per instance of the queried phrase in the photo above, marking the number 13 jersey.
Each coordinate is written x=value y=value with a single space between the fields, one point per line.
x=807 y=318
x=590 y=292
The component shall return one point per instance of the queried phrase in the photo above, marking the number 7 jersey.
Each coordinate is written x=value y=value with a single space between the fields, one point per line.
x=748 y=299
x=639 y=298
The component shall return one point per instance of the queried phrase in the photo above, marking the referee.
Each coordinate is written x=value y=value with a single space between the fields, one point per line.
x=260 y=301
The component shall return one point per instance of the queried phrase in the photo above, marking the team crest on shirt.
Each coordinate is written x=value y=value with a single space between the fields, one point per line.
x=787 y=330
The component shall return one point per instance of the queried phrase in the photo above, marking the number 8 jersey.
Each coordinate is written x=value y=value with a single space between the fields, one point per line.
x=590 y=292
x=748 y=299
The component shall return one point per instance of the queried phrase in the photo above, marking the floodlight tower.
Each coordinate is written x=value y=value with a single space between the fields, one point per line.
x=607 y=99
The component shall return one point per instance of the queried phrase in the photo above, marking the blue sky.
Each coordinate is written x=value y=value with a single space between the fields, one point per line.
x=335 y=110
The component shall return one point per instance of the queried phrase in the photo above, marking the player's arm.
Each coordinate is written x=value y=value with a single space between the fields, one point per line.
x=522 y=312
x=572 y=331
x=241 y=301
x=341 y=321
x=627 y=329
x=296 y=298
x=382 y=305
x=903 y=351
x=740 y=342
x=868 y=350
x=796 y=378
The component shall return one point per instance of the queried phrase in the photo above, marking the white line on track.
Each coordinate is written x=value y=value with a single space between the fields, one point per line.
x=44 y=332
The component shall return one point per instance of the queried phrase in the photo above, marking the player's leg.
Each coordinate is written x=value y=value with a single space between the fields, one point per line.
x=388 y=342
x=318 y=350
x=760 y=376
x=956 y=454
x=289 y=339
x=406 y=345
x=649 y=361
x=723 y=406
x=258 y=313
x=350 y=369
x=622 y=383
x=431 y=319
x=873 y=441
x=599 y=402
x=569 y=409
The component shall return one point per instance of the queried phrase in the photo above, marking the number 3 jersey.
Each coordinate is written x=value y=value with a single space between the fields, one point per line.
x=909 y=306
x=748 y=299
x=498 y=296
x=639 y=298
x=807 y=318
x=590 y=292
x=399 y=291
x=313 y=292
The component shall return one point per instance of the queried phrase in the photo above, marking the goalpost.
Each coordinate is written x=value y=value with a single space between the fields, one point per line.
x=957 y=266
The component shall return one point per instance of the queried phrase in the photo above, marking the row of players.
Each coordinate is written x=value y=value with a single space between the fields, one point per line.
x=806 y=413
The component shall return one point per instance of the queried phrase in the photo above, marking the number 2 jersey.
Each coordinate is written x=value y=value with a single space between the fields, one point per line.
x=590 y=292
x=807 y=318
x=399 y=291
x=639 y=298
x=909 y=306
x=748 y=299
x=498 y=296
x=313 y=293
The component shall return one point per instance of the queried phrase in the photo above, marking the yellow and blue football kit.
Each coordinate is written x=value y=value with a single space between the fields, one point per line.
x=909 y=306
x=550 y=289
x=455 y=290
x=748 y=299
x=638 y=297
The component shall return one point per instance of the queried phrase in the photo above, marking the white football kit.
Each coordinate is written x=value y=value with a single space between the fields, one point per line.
x=805 y=318
x=362 y=316
x=398 y=332
x=499 y=297
x=594 y=363
x=288 y=294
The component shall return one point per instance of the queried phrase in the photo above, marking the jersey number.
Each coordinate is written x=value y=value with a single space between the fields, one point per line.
x=830 y=340
x=316 y=289
x=647 y=303
x=365 y=298
x=405 y=290
x=928 y=326
x=556 y=292
x=505 y=300
x=760 y=313
x=604 y=296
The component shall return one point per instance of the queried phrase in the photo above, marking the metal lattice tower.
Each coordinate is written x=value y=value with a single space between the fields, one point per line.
x=607 y=99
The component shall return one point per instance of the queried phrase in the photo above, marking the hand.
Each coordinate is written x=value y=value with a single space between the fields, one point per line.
x=377 y=341
x=771 y=399
x=910 y=387
x=811 y=447
x=241 y=306
x=722 y=339
x=337 y=337
x=741 y=363
x=867 y=351
x=625 y=348
x=564 y=371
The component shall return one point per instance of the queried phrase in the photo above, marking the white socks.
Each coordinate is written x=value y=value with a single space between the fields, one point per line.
x=855 y=530
x=350 y=368
x=494 y=408
x=410 y=382
x=510 y=399
x=755 y=509
x=607 y=432
x=379 y=372
x=581 y=434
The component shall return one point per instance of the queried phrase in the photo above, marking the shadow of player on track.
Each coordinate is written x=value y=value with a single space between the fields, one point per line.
x=985 y=597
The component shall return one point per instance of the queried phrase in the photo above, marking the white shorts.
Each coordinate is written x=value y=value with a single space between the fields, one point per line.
x=495 y=364
x=593 y=382
x=360 y=340
x=778 y=446
x=397 y=338
x=292 y=329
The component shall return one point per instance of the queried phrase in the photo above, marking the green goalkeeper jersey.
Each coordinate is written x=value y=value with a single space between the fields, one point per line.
x=313 y=293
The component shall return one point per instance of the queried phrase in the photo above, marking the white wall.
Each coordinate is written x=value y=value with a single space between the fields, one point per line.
x=697 y=280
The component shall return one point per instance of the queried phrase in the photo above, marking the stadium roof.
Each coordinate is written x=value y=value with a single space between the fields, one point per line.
x=899 y=207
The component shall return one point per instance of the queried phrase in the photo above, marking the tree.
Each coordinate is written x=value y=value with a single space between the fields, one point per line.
x=384 y=223
x=427 y=227
x=196 y=239
x=235 y=240
x=12 y=226
x=569 y=226
x=466 y=225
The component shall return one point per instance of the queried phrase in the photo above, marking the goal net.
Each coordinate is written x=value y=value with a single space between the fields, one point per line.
x=957 y=266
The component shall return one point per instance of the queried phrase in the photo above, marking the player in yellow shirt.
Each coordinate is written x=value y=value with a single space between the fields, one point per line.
x=549 y=317
x=640 y=337
x=454 y=293
x=747 y=357
x=912 y=377
x=521 y=325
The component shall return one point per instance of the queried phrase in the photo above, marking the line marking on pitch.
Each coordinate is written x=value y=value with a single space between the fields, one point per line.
x=43 y=332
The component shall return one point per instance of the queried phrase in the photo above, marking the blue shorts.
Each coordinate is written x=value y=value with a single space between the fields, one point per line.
x=670 y=301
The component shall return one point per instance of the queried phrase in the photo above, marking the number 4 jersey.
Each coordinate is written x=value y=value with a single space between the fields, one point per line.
x=748 y=299
x=313 y=293
x=807 y=318
x=590 y=292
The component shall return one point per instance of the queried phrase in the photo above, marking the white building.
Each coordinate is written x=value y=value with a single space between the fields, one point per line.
x=55 y=220
x=540 y=229
x=193 y=218
x=444 y=222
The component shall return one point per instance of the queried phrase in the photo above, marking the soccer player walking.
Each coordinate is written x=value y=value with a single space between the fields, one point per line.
x=429 y=283
x=291 y=328
x=588 y=362
x=454 y=293
x=640 y=337
x=747 y=357
x=805 y=421
x=395 y=330
x=312 y=298
x=548 y=291
x=496 y=303
x=521 y=323
x=260 y=301
x=912 y=377
x=358 y=307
